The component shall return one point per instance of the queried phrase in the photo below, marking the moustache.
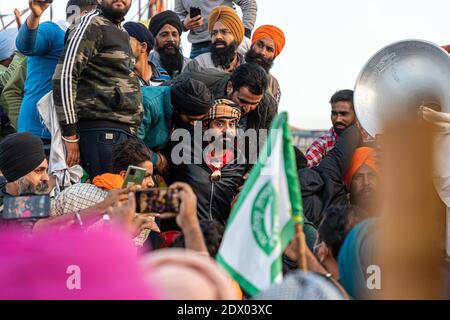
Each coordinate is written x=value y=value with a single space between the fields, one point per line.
x=259 y=56
x=170 y=46
x=367 y=191
x=42 y=187
x=218 y=42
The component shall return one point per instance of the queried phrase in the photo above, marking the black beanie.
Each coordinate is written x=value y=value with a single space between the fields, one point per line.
x=191 y=97
x=20 y=153
x=163 y=18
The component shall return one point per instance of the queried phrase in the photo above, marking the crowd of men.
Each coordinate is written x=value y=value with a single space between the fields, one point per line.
x=84 y=99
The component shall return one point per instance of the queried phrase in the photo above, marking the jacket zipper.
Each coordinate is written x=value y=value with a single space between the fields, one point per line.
x=210 y=201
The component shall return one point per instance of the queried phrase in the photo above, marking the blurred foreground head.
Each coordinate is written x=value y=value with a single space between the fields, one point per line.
x=301 y=285
x=71 y=266
x=186 y=275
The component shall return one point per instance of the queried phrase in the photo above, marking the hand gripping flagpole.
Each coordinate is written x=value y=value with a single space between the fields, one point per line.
x=301 y=243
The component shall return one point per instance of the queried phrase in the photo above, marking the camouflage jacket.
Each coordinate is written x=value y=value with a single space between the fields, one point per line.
x=94 y=78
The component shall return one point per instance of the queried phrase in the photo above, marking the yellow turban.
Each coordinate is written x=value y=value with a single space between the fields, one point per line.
x=230 y=19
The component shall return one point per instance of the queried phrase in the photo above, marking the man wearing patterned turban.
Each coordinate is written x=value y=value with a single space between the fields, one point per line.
x=219 y=173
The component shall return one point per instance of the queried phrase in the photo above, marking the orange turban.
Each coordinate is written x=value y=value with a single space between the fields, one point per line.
x=270 y=32
x=364 y=155
x=108 y=181
x=230 y=19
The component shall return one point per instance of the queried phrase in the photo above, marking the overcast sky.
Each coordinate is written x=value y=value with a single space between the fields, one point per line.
x=328 y=42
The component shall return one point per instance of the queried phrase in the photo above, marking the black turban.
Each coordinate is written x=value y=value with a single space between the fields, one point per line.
x=191 y=97
x=163 y=18
x=20 y=153
x=140 y=33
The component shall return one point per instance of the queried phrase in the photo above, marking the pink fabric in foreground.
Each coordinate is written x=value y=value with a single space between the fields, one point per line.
x=39 y=267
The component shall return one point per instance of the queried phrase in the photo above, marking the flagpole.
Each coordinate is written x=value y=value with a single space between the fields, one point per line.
x=301 y=254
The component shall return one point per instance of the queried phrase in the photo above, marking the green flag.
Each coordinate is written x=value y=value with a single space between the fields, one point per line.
x=263 y=220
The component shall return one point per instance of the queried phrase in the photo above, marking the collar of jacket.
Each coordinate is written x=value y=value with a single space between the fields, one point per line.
x=115 y=21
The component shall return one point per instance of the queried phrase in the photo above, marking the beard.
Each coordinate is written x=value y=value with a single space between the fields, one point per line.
x=252 y=57
x=365 y=199
x=223 y=57
x=116 y=14
x=26 y=187
x=171 y=57
x=219 y=142
x=339 y=130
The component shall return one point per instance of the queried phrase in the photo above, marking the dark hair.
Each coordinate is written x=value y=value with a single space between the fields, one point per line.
x=252 y=76
x=337 y=223
x=342 y=95
x=131 y=152
x=82 y=4
x=300 y=158
x=212 y=234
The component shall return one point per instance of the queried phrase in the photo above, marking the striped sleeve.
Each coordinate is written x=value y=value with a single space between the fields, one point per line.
x=249 y=13
x=80 y=47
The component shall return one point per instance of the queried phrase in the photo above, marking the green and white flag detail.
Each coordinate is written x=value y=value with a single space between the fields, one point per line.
x=263 y=220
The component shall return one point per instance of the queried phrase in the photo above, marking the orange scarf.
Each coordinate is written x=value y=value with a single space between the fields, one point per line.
x=108 y=181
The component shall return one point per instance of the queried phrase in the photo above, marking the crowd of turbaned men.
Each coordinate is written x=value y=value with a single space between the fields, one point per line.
x=143 y=170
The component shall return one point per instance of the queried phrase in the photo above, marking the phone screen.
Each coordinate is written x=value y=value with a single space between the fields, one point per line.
x=194 y=12
x=135 y=176
x=158 y=200
x=26 y=207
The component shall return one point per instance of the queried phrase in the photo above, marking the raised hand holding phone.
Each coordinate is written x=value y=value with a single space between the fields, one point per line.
x=194 y=12
x=194 y=19
x=134 y=176
x=158 y=200
x=37 y=8
x=187 y=219
x=187 y=215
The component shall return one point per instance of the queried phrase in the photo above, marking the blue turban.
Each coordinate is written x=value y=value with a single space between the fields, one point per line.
x=7 y=43
x=355 y=255
x=140 y=33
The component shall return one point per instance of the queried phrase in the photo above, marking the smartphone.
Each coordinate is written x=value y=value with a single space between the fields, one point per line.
x=194 y=12
x=135 y=175
x=26 y=207
x=158 y=200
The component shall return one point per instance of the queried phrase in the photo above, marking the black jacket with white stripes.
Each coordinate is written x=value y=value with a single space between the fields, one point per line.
x=94 y=80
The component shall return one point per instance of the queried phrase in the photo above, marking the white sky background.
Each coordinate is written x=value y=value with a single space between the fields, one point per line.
x=327 y=43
